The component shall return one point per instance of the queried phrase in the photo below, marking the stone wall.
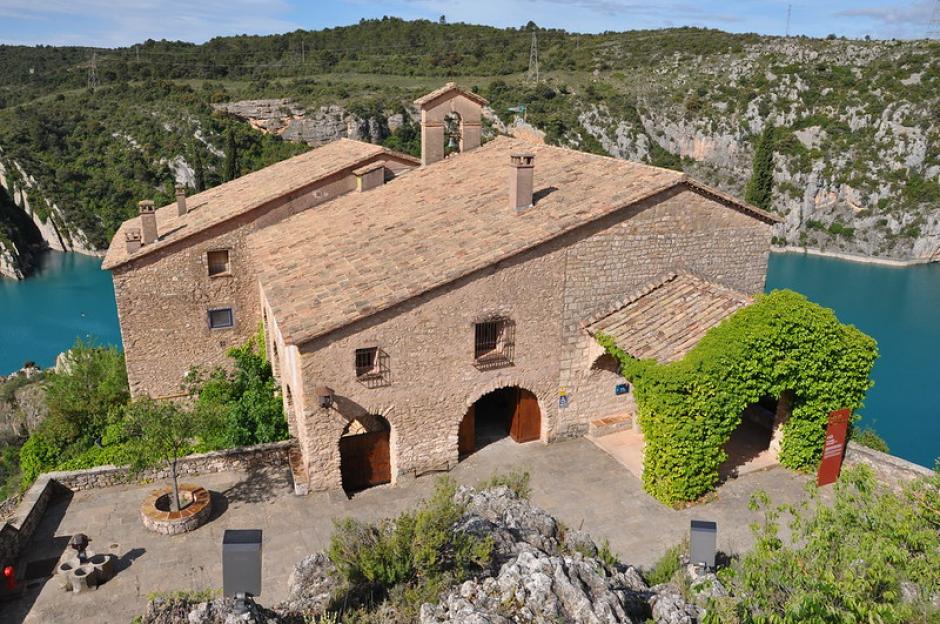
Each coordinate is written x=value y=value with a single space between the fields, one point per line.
x=18 y=529
x=889 y=469
x=547 y=292
x=164 y=298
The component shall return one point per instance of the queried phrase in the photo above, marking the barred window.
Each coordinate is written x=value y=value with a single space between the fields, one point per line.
x=493 y=342
x=372 y=367
x=366 y=361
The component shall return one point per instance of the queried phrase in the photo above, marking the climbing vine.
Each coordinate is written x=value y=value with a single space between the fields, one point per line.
x=781 y=343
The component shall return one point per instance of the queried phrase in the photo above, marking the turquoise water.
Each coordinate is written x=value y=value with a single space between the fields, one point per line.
x=71 y=296
x=900 y=308
x=68 y=297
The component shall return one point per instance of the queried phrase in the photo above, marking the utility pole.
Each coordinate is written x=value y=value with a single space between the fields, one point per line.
x=303 y=52
x=93 y=72
x=533 y=74
x=789 y=11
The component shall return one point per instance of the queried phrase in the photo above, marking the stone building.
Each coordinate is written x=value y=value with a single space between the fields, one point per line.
x=434 y=308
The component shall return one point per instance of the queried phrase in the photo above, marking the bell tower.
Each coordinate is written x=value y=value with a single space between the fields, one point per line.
x=435 y=107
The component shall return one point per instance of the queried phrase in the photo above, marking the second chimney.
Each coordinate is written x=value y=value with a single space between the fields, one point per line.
x=180 y=200
x=132 y=236
x=148 y=222
x=521 y=170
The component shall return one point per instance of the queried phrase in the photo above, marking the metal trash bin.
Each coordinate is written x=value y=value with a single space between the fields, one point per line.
x=702 y=543
x=241 y=562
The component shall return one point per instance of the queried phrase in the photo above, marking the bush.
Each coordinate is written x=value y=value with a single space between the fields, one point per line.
x=516 y=480
x=409 y=558
x=665 y=569
x=870 y=438
x=872 y=555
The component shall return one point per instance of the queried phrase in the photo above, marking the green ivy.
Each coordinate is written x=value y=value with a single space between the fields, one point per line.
x=781 y=343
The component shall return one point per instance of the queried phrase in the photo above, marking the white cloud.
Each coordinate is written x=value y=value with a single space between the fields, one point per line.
x=109 y=23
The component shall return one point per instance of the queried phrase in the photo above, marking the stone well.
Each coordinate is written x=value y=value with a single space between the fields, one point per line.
x=196 y=502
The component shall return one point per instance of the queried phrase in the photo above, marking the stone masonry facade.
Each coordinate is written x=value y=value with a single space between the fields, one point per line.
x=547 y=291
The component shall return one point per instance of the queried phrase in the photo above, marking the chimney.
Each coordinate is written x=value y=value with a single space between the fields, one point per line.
x=180 y=200
x=148 y=222
x=133 y=240
x=521 y=169
x=370 y=176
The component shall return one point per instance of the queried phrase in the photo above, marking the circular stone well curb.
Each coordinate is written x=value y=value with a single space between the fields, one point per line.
x=187 y=519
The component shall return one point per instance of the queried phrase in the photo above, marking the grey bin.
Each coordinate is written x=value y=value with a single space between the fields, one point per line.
x=241 y=562
x=702 y=543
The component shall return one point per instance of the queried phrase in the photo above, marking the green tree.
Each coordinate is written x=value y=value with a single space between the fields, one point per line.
x=160 y=432
x=83 y=397
x=199 y=172
x=230 y=165
x=759 y=189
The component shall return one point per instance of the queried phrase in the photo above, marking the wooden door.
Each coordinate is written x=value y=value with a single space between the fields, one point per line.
x=365 y=460
x=467 y=433
x=526 y=419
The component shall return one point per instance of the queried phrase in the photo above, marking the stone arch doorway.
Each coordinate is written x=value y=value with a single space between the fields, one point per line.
x=510 y=411
x=748 y=447
x=365 y=453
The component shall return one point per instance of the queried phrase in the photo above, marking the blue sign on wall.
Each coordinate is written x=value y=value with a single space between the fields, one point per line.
x=622 y=389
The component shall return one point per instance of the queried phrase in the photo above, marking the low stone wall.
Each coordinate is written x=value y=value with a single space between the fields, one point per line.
x=243 y=458
x=890 y=470
x=17 y=530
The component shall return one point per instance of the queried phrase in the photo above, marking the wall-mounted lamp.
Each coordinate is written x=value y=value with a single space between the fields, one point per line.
x=325 y=396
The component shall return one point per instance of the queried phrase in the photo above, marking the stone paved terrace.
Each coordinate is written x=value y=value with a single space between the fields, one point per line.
x=574 y=480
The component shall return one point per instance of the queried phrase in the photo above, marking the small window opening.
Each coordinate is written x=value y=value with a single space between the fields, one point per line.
x=372 y=367
x=221 y=318
x=218 y=262
x=494 y=343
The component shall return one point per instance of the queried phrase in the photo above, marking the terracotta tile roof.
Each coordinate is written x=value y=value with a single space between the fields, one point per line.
x=447 y=88
x=231 y=199
x=364 y=252
x=665 y=318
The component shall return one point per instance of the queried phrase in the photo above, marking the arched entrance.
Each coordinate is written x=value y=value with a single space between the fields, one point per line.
x=365 y=453
x=748 y=446
x=511 y=411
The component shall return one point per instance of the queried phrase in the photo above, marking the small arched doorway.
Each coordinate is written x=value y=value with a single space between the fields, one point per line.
x=511 y=411
x=365 y=453
x=748 y=446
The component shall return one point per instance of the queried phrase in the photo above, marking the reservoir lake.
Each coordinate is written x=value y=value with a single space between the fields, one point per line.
x=70 y=296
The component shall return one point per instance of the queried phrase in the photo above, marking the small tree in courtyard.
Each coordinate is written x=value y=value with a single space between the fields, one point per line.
x=161 y=432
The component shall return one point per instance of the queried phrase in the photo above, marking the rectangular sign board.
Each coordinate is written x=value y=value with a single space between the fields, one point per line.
x=834 y=447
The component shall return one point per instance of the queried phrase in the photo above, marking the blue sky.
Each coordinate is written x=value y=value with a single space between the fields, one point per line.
x=109 y=23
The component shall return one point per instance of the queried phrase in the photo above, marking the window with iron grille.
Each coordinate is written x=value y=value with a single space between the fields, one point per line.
x=494 y=342
x=372 y=367
x=218 y=261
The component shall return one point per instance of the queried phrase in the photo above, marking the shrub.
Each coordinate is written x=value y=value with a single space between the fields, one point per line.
x=515 y=480
x=39 y=454
x=782 y=343
x=870 y=438
x=405 y=557
x=665 y=569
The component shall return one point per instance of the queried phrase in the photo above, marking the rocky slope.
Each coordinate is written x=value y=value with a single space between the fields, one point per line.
x=543 y=573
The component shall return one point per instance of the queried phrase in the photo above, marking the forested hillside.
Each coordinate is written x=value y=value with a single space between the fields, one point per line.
x=845 y=133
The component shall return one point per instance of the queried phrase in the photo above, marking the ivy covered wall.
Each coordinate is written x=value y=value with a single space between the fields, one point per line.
x=782 y=342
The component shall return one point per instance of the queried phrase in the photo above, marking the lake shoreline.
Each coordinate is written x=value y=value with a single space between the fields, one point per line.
x=888 y=262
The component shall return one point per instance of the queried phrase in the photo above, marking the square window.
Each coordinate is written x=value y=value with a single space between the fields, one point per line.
x=366 y=362
x=493 y=342
x=221 y=318
x=218 y=262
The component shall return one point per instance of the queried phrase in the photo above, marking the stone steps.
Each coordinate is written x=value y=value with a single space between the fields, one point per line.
x=298 y=471
x=611 y=424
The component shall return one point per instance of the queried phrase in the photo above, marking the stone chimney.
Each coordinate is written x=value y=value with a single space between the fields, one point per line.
x=180 y=200
x=132 y=235
x=521 y=170
x=148 y=222
x=370 y=176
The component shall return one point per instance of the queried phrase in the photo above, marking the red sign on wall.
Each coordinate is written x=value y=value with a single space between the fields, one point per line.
x=834 y=448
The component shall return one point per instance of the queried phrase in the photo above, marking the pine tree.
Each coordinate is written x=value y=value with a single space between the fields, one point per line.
x=199 y=172
x=759 y=189
x=230 y=168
